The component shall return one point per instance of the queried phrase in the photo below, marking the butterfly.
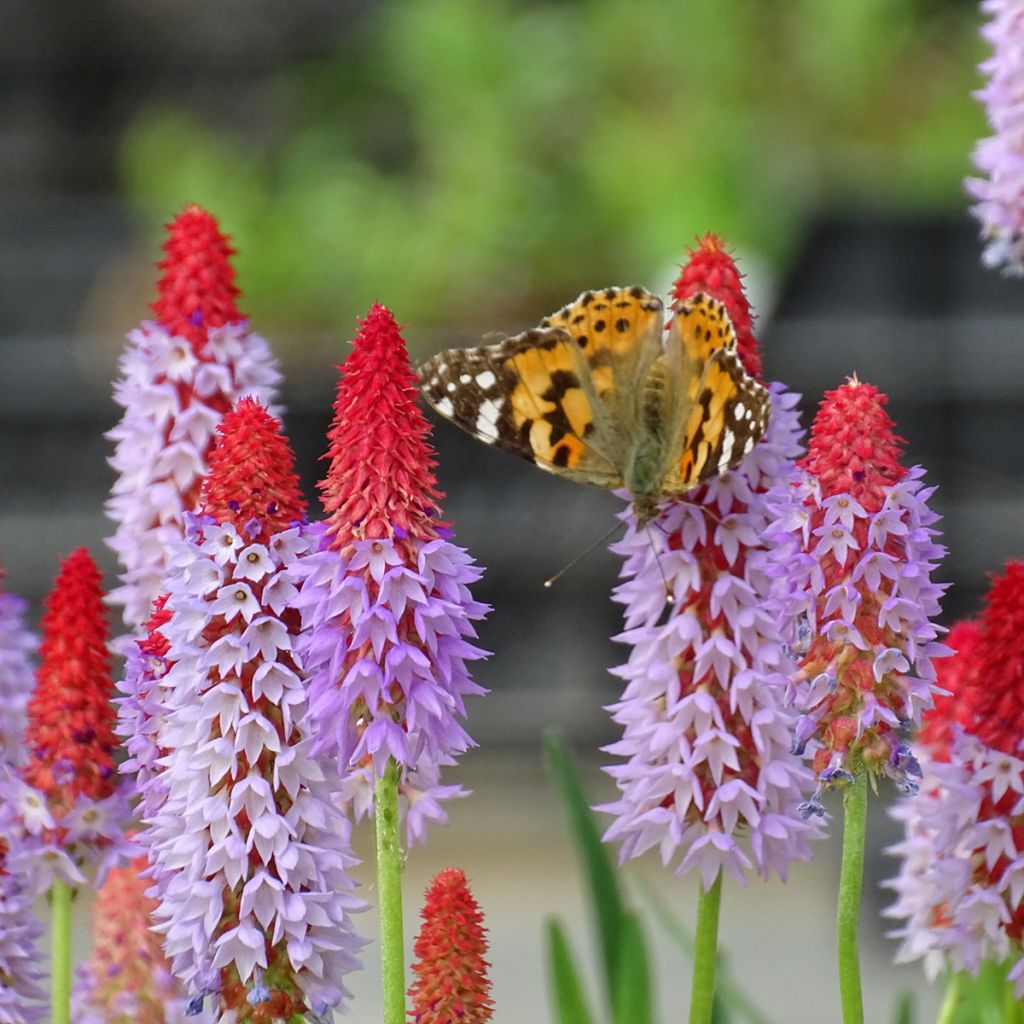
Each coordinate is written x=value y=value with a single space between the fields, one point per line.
x=601 y=394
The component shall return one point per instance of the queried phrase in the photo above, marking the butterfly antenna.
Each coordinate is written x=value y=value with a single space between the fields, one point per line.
x=579 y=558
x=657 y=558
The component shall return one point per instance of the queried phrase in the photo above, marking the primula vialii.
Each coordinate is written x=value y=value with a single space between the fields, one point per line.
x=66 y=799
x=127 y=979
x=451 y=985
x=961 y=884
x=1000 y=194
x=387 y=613
x=709 y=778
x=179 y=375
x=250 y=854
x=16 y=676
x=861 y=549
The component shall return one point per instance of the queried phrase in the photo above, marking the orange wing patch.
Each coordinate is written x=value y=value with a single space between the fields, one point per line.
x=548 y=403
x=704 y=327
x=609 y=326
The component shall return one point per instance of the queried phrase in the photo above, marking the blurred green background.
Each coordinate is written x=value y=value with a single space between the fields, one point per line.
x=469 y=160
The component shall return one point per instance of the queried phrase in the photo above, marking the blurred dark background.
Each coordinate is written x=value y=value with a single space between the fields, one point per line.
x=475 y=164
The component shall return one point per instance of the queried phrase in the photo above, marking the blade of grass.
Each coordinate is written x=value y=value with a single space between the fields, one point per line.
x=605 y=897
x=570 y=999
x=633 y=982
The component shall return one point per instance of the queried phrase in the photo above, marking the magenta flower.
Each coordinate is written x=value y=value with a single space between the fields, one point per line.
x=961 y=883
x=709 y=777
x=387 y=614
x=860 y=544
x=250 y=855
x=1000 y=194
x=17 y=645
x=179 y=375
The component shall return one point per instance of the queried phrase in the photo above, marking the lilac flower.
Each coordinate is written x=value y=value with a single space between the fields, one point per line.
x=387 y=613
x=1000 y=194
x=709 y=777
x=21 y=975
x=859 y=549
x=250 y=855
x=16 y=677
x=179 y=375
x=960 y=889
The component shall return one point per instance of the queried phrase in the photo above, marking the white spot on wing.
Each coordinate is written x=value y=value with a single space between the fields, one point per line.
x=727 y=443
x=444 y=407
x=465 y=378
x=487 y=417
x=451 y=386
x=740 y=410
x=486 y=380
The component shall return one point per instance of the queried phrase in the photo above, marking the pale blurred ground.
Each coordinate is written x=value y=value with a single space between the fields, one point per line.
x=510 y=839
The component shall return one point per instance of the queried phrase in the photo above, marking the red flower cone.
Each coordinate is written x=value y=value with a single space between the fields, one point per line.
x=451 y=985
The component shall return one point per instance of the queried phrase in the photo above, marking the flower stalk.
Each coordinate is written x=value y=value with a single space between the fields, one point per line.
x=389 y=893
x=61 y=895
x=705 y=953
x=855 y=814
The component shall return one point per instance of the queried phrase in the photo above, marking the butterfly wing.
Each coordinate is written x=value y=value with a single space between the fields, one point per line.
x=719 y=411
x=562 y=395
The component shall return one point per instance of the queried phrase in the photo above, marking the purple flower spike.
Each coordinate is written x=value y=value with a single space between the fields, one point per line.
x=16 y=676
x=386 y=610
x=249 y=852
x=1000 y=194
x=710 y=779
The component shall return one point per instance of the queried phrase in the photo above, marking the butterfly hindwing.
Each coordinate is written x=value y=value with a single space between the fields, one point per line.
x=530 y=395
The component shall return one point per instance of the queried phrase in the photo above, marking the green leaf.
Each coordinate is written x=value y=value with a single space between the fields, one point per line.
x=605 y=899
x=632 y=982
x=905 y=1012
x=570 y=999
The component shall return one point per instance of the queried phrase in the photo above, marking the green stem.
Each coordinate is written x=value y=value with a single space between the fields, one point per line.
x=951 y=1001
x=60 y=952
x=855 y=814
x=389 y=894
x=705 y=953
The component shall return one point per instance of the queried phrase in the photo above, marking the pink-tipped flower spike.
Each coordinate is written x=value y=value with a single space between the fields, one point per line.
x=21 y=974
x=179 y=375
x=1000 y=158
x=451 y=985
x=964 y=905
x=709 y=778
x=387 y=614
x=17 y=645
x=127 y=979
x=65 y=800
x=933 y=875
x=249 y=854
x=862 y=542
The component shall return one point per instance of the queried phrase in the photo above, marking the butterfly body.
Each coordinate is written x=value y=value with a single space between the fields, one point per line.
x=600 y=394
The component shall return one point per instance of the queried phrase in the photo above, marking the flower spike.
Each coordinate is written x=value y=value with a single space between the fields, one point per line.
x=451 y=985
x=179 y=375
x=387 y=615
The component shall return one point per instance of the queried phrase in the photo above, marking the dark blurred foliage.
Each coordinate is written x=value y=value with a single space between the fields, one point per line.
x=474 y=161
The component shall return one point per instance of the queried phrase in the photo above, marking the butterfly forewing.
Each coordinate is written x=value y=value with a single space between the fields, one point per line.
x=530 y=395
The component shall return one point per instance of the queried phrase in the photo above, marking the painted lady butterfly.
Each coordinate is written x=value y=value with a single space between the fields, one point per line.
x=598 y=393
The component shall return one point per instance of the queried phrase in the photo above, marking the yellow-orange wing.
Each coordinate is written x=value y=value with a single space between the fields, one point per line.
x=563 y=395
x=719 y=411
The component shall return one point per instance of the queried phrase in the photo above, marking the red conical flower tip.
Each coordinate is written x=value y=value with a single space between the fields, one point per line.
x=154 y=643
x=381 y=481
x=853 y=449
x=252 y=474
x=999 y=665
x=70 y=733
x=451 y=985
x=710 y=269
x=956 y=674
x=197 y=290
